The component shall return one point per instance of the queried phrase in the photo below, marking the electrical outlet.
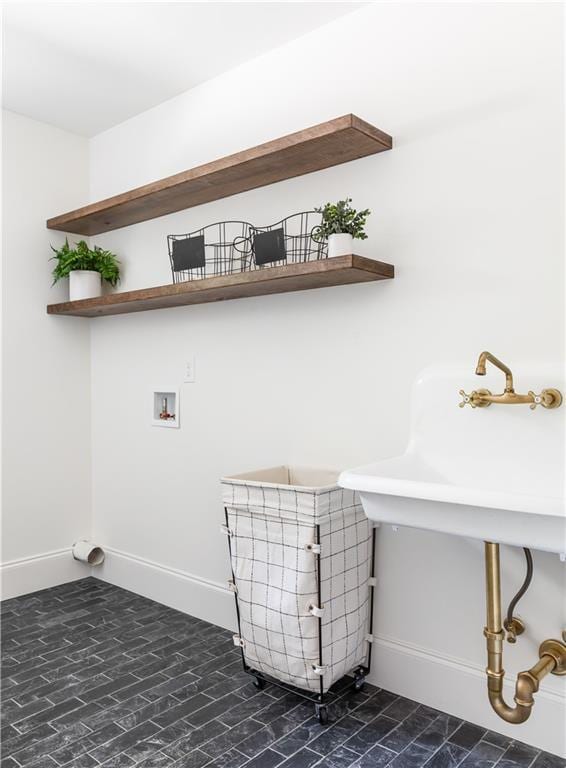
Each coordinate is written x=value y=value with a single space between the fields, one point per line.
x=189 y=377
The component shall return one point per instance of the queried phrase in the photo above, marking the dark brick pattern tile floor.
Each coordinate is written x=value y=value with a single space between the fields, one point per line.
x=97 y=676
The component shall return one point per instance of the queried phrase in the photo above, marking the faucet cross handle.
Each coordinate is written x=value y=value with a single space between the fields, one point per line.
x=548 y=398
x=478 y=398
x=537 y=400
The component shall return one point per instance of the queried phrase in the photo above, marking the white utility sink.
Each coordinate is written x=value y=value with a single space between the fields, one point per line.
x=493 y=473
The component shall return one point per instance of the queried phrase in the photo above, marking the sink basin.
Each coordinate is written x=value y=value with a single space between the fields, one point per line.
x=493 y=473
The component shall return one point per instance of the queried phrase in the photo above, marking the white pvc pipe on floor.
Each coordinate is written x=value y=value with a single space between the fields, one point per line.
x=88 y=553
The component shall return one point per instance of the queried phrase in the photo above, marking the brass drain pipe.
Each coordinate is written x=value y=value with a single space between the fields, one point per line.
x=552 y=652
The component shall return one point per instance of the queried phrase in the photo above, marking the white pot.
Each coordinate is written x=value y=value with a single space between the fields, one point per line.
x=340 y=245
x=84 y=284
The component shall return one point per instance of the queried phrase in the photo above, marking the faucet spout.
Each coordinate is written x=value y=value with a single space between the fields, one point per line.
x=480 y=369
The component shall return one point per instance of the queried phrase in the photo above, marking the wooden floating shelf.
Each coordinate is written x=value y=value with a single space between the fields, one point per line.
x=340 y=270
x=322 y=146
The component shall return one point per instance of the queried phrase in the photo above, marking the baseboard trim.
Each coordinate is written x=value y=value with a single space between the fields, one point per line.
x=48 y=569
x=458 y=687
x=204 y=598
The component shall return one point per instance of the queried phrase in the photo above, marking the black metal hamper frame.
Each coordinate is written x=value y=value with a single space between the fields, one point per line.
x=320 y=700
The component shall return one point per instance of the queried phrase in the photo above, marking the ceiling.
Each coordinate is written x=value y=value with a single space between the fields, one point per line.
x=88 y=66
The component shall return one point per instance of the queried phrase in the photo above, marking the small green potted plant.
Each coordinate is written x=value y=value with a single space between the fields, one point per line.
x=340 y=225
x=85 y=269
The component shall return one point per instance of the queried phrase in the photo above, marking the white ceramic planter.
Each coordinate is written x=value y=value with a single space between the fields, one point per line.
x=84 y=284
x=340 y=245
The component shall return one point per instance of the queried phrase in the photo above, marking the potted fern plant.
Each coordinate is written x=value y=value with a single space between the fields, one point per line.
x=85 y=268
x=340 y=225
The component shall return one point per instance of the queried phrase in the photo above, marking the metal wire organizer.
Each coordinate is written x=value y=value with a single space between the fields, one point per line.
x=229 y=247
x=217 y=249
x=299 y=233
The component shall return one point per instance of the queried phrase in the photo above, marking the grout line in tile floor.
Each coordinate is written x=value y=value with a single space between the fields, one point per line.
x=97 y=676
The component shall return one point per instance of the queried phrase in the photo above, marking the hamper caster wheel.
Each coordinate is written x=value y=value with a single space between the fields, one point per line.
x=322 y=714
x=259 y=683
x=359 y=681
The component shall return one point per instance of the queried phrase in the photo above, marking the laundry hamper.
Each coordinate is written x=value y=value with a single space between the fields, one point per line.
x=302 y=555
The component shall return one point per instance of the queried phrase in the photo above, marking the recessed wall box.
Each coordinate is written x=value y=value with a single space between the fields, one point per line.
x=165 y=411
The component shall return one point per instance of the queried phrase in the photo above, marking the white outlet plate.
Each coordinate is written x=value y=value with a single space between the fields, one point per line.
x=189 y=377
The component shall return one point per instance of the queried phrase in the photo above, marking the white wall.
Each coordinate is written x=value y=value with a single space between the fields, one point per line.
x=469 y=208
x=46 y=364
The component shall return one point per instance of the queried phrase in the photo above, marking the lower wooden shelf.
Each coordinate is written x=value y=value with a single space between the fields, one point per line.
x=340 y=270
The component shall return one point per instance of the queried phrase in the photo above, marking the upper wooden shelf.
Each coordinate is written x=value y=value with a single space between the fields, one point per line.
x=340 y=270
x=322 y=146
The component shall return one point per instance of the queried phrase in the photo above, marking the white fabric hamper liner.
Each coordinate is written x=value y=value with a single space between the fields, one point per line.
x=273 y=516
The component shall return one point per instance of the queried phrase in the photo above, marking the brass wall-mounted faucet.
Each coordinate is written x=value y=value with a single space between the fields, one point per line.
x=481 y=398
x=552 y=652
